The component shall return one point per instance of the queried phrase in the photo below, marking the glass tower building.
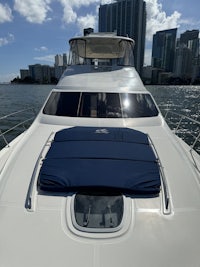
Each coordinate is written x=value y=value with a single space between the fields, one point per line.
x=187 y=55
x=190 y=39
x=127 y=18
x=163 y=50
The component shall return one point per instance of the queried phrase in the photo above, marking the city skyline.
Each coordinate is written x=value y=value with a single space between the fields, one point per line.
x=39 y=73
x=35 y=31
x=175 y=59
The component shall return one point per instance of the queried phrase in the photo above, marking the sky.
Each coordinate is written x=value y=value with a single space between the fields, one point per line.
x=34 y=31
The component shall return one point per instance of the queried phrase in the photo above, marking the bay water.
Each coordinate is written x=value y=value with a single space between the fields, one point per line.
x=15 y=97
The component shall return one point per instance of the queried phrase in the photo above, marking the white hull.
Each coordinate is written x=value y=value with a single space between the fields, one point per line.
x=42 y=233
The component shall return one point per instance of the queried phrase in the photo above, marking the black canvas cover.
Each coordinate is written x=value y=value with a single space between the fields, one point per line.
x=94 y=157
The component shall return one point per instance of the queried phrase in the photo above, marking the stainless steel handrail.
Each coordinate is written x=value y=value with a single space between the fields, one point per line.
x=31 y=195
x=165 y=192
x=3 y=134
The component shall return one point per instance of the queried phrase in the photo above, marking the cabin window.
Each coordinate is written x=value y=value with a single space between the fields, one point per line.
x=60 y=104
x=97 y=211
x=100 y=105
x=138 y=105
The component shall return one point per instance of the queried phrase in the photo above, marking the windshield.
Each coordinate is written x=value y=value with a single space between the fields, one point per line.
x=100 y=105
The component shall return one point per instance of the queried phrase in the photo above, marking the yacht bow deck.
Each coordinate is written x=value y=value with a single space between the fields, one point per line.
x=99 y=130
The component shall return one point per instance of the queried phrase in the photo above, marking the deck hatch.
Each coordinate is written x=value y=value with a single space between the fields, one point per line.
x=98 y=211
x=91 y=157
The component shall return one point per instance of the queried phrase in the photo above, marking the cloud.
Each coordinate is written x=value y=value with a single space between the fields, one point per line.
x=70 y=9
x=69 y=16
x=158 y=20
x=47 y=58
x=78 y=3
x=88 y=21
x=41 y=49
x=6 y=40
x=5 y=13
x=34 y=11
x=104 y=2
x=37 y=11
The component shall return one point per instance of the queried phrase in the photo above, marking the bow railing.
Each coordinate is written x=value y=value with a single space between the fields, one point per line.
x=15 y=123
x=185 y=127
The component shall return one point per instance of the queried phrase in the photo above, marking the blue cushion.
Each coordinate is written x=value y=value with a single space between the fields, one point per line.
x=92 y=157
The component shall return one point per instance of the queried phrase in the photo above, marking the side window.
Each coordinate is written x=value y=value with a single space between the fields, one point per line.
x=62 y=104
x=52 y=103
x=138 y=105
x=68 y=104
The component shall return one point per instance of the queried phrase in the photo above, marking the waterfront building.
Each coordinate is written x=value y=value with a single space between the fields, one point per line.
x=65 y=60
x=40 y=73
x=24 y=73
x=58 y=71
x=36 y=72
x=60 y=65
x=61 y=60
x=163 y=50
x=183 y=62
x=147 y=74
x=58 y=60
x=127 y=18
x=191 y=40
x=45 y=73
x=187 y=55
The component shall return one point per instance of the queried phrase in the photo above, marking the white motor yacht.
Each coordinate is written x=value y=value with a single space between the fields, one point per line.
x=99 y=179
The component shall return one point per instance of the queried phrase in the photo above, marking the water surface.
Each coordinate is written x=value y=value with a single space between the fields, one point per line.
x=181 y=99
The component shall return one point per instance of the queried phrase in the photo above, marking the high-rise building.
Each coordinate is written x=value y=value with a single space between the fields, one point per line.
x=58 y=60
x=191 y=40
x=60 y=65
x=36 y=72
x=40 y=73
x=163 y=50
x=127 y=18
x=187 y=55
x=24 y=73
x=65 y=60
